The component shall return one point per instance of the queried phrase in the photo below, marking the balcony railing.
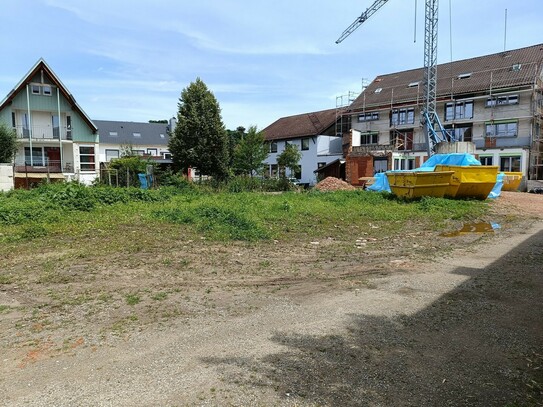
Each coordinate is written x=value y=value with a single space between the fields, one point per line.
x=42 y=166
x=44 y=132
x=368 y=148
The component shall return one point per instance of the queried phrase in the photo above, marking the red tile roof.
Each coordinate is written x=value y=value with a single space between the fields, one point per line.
x=301 y=125
x=514 y=68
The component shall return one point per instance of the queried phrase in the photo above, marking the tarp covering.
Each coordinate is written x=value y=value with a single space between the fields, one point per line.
x=381 y=181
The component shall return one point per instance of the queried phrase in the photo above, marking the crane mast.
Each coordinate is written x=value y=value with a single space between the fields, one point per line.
x=429 y=117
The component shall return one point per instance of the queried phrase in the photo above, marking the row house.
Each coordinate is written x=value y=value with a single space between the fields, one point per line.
x=314 y=134
x=57 y=139
x=493 y=101
x=149 y=140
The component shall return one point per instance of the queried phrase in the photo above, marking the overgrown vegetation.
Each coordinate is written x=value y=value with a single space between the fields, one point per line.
x=216 y=213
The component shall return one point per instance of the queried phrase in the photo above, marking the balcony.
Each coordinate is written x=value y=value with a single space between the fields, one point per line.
x=369 y=148
x=44 y=133
x=40 y=166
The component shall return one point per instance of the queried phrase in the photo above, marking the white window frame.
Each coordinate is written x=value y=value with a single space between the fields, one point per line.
x=82 y=164
x=109 y=151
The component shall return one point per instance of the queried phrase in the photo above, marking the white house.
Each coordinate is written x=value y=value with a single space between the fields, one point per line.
x=315 y=136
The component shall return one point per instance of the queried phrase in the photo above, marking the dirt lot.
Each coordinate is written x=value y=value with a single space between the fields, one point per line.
x=423 y=319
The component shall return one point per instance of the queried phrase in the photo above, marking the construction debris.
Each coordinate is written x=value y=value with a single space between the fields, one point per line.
x=333 y=184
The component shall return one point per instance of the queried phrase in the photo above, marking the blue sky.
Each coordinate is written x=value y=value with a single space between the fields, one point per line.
x=129 y=60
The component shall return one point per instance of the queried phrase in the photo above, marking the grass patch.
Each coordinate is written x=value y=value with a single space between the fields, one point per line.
x=132 y=299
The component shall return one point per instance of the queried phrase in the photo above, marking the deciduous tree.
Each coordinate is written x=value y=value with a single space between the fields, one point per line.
x=250 y=153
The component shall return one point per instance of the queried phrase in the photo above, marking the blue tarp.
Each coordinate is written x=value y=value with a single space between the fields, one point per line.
x=381 y=181
x=143 y=181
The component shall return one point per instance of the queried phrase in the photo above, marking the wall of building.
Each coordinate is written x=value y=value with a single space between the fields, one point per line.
x=317 y=153
x=6 y=177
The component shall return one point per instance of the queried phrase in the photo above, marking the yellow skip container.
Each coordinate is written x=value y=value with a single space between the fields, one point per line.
x=415 y=184
x=473 y=181
x=511 y=181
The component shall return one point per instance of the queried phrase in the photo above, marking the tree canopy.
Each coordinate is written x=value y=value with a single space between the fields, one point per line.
x=199 y=139
x=250 y=153
x=8 y=143
x=289 y=158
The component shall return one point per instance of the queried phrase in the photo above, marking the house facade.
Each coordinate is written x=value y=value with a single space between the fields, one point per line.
x=314 y=134
x=494 y=101
x=57 y=140
x=145 y=139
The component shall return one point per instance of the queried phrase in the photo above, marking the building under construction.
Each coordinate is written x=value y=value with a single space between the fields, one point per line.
x=494 y=101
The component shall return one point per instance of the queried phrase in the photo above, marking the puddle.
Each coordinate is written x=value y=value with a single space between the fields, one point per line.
x=481 y=227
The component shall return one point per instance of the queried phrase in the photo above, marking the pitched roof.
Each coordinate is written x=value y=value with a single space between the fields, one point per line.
x=507 y=69
x=301 y=125
x=41 y=65
x=115 y=132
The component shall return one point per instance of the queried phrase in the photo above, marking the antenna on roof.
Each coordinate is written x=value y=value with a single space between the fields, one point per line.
x=505 y=33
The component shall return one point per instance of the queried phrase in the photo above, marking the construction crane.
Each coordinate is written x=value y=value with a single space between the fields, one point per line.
x=433 y=129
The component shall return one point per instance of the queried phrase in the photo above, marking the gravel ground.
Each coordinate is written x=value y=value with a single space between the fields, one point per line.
x=465 y=329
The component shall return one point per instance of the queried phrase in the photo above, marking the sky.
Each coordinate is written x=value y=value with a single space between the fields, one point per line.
x=129 y=60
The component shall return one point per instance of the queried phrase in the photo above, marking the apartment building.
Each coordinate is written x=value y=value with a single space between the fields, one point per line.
x=494 y=101
x=57 y=139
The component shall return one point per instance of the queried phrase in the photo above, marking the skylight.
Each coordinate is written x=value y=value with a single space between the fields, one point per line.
x=136 y=134
x=113 y=134
x=413 y=84
x=464 y=75
x=378 y=90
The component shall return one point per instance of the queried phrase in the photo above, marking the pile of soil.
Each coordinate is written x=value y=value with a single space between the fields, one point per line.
x=333 y=184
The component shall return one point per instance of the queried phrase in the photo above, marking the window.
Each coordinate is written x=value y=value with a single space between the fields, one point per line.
x=138 y=152
x=47 y=91
x=152 y=151
x=13 y=120
x=273 y=171
x=68 y=127
x=161 y=135
x=460 y=133
x=298 y=172
x=505 y=129
x=136 y=134
x=366 y=117
x=402 y=116
x=35 y=89
x=273 y=147
x=402 y=140
x=321 y=164
x=380 y=165
x=502 y=100
x=413 y=84
x=86 y=158
x=24 y=125
x=167 y=155
x=404 y=163
x=55 y=122
x=369 y=138
x=110 y=154
x=464 y=75
x=305 y=143
x=113 y=134
x=459 y=110
x=37 y=158
x=510 y=163
x=486 y=160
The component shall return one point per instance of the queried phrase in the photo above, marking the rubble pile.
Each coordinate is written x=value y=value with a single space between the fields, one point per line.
x=333 y=184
